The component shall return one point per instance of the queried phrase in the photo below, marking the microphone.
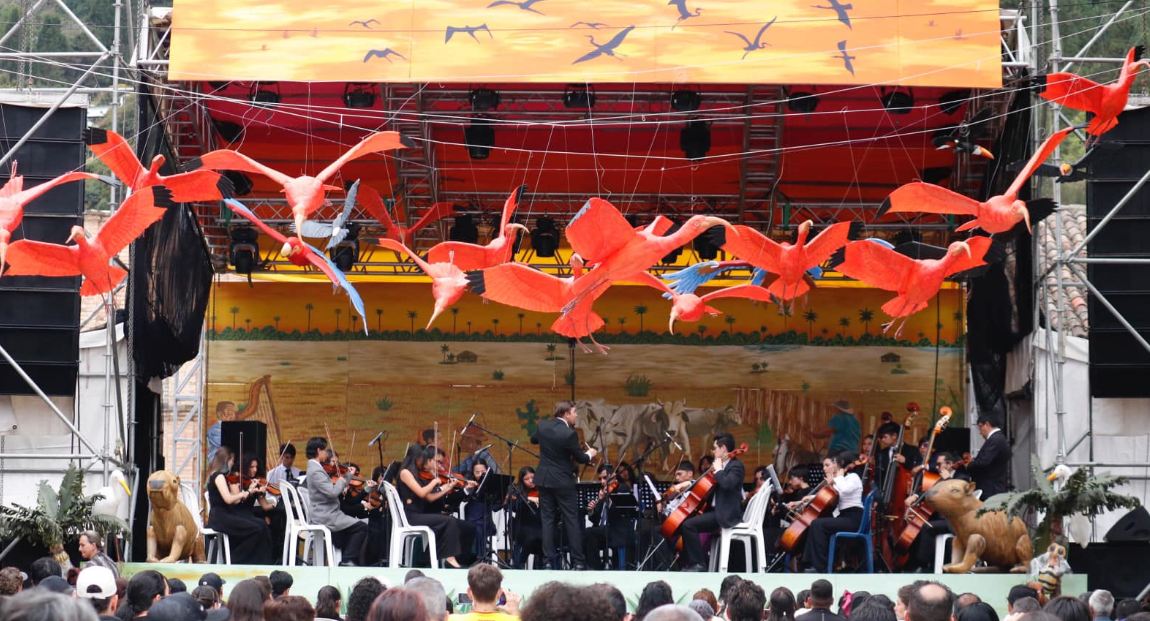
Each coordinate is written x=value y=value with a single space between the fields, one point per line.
x=483 y=449
x=376 y=438
x=672 y=439
x=469 y=421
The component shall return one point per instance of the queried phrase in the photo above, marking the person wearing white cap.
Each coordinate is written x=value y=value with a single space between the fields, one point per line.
x=98 y=585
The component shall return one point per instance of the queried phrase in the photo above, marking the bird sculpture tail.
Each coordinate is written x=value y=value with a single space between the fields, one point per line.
x=788 y=291
x=99 y=284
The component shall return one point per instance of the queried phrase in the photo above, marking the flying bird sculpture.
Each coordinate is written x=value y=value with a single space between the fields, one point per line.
x=691 y=307
x=448 y=282
x=13 y=198
x=605 y=49
x=998 y=214
x=305 y=194
x=1069 y=172
x=758 y=43
x=471 y=30
x=335 y=231
x=958 y=138
x=395 y=230
x=91 y=258
x=1104 y=101
x=303 y=254
x=498 y=251
x=189 y=187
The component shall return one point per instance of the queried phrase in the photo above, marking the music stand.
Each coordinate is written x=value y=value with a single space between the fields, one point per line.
x=775 y=480
x=586 y=491
x=651 y=493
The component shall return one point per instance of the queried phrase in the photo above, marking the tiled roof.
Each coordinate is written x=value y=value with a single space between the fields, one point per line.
x=1074 y=295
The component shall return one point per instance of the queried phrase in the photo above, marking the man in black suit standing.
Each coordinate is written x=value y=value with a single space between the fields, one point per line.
x=989 y=468
x=559 y=452
x=726 y=501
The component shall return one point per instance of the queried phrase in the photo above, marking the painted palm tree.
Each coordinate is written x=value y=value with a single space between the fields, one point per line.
x=338 y=312
x=958 y=320
x=309 y=306
x=551 y=351
x=539 y=328
x=354 y=323
x=450 y=358
x=810 y=317
x=702 y=329
x=641 y=310
x=520 y=316
x=277 y=320
x=379 y=320
x=866 y=316
x=454 y=316
x=622 y=322
x=844 y=323
x=213 y=323
x=235 y=310
x=786 y=311
x=248 y=321
x=411 y=315
x=444 y=349
x=730 y=319
x=469 y=328
x=495 y=326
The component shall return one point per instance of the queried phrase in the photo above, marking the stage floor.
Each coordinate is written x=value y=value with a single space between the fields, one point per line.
x=992 y=588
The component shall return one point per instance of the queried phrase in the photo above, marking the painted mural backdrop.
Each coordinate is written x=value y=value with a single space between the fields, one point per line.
x=295 y=356
x=953 y=43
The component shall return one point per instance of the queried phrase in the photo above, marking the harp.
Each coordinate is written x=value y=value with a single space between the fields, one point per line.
x=262 y=408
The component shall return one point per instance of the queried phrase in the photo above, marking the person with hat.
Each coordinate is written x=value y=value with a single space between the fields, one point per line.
x=56 y=584
x=97 y=584
x=843 y=429
x=213 y=580
x=184 y=607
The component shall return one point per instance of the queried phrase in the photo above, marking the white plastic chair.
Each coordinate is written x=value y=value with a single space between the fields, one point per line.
x=749 y=531
x=940 y=545
x=404 y=535
x=218 y=544
x=299 y=528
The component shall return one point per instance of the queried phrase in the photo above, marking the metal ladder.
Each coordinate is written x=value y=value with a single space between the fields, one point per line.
x=417 y=176
x=762 y=136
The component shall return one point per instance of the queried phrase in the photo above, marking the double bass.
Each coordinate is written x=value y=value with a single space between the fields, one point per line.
x=917 y=515
x=826 y=497
x=694 y=500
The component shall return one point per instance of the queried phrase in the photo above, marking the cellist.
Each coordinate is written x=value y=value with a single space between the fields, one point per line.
x=849 y=512
x=922 y=550
x=726 y=510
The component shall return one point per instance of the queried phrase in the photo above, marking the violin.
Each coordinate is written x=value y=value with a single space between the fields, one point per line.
x=824 y=502
x=246 y=482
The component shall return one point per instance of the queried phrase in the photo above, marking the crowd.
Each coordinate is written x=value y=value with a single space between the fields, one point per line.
x=44 y=593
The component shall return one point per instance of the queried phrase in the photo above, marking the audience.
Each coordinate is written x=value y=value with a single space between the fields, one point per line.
x=1101 y=605
x=746 y=602
x=11 y=581
x=327 y=604
x=265 y=585
x=398 y=605
x=556 y=601
x=725 y=587
x=978 y=611
x=289 y=608
x=281 y=582
x=871 y=611
x=618 y=602
x=433 y=595
x=247 y=601
x=782 y=605
x=207 y=597
x=42 y=568
x=655 y=594
x=930 y=601
x=97 y=585
x=1068 y=609
x=362 y=596
x=803 y=602
x=671 y=612
x=1124 y=610
x=44 y=605
x=821 y=598
x=144 y=589
x=213 y=580
x=485 y=587
x=175 y=585
x=702 y=608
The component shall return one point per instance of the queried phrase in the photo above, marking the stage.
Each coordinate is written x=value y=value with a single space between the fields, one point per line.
x=992 y=588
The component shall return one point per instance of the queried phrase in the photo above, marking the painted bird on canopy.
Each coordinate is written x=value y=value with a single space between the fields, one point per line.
x=916 y=281
x=13 y=197
x=303 y=254
x=189 y=187
x=448 y=282
x=998 y=214
x=305 y=194
x=497 y=252
x=1105 y=101
x=373 y=203
x=91 y=258
x=604 y=238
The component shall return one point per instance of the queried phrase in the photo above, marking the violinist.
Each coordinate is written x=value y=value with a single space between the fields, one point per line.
x=526 y=524
x=230 y=513
x=353 y=498
x=922 y=550
x=848 y=513
x=420 y=488
x=324 y=495
x=285 y=470
x=726 y=510
x=264 y=505
x=684 y=477
x=478 y=511
x=605 y=533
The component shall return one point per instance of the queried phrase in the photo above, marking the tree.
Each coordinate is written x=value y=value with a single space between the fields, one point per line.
x=469 y=328
x=810 y=317
x=844 y=323
x=277 y=320
x=641 y=310
x=551 y=351
x=730 y=319
x=495 y=326
x=702 y=329
x=354 y=322
x=454 y=316
x=248 y=321
x=520 y=316
x=309 y=308
x=443 y=349
x=379 y=320
x=450 y=358
x=338 y=312
x=411 y=315
x=539 y=328
x=622 y=322
x=866 y=316
x=235 y=310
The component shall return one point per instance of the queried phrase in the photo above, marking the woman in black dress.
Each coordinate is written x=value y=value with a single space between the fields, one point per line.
x=231 y=514
x=526 y=524
x=419 y=489
x=266 y=507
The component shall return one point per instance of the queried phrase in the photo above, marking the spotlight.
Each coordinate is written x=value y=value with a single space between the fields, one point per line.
x=228 y=131
x=695 y=140
x=244 y=251
x=897 y=101
x=674 y=254
x=346 y=253
x=684 y=100
x=802 y=102
x=545 y=237
x=479 y=137
x=577 y=96
x=464 y=229
x=705 y=247
x=484 y=99
x=951 y=102
x=265 y=94
x=359 y=95
x=241 y=183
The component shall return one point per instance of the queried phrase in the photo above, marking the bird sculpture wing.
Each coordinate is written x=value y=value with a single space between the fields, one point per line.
x=1072 y=91
x=34 y=258
x=751 y=292
x=379 y=141
x=518 y=285
x=238 y=207
x=1048 y=146
x=437 y=212
x=829 y=240
x=509 y=207
x=876 y=265
x=116 y=154
x=395 y=246
x=134 y=216
x=928 y=198
x=226 y=159
x=337 y=230
x=199 y=185
x=465 y=256
x=373 y=203
x=323 y=264
x=752 y=246
x=981 y=249
x=598 y=231
x=659 y=226
x=26 y=196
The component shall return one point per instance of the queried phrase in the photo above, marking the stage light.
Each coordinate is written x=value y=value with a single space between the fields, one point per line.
x=674 y=254
x=897 y=101
x=359 y=95
x=705 y=247
x=802 y=102
x=244 y=251
x=695 y=140
x=479 y=137
x=265 y=94
x=545 y=237
x=577 y=96
x=951 y=102
x=242 y=184
x=684 y=100
x=346 y=253
x=484 y=99
x=228 y=131
x=464 y=229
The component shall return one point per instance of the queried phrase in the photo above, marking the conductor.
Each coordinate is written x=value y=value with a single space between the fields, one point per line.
x=559 y=453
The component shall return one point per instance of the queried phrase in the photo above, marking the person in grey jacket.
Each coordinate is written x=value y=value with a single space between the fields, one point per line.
x=347 y=533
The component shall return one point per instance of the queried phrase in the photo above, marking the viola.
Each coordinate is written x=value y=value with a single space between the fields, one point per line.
x=826 y=497
x=695 y=500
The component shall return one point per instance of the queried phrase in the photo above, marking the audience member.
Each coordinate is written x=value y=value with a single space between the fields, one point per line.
x=56 y=584
x=207 y=597
x=746 y=602
x=881 y=600
x=930 y=601
x=144 y=589
x=327 y=604
x=702 y=608
x=177 y=607
x=97 y=584
x=42 y=568
x=92 y=549
x=725 y=587
x=655 y=594
x=857 y=600
x=43 y=605
x=265 y=585
x=782 y=605
x=397 y=605
x=72 y=574
x=1139 y=616
x=822 y=596
x=484 y=587
x=433 y=594
x=1025 y=605
x=412 y=575
x=802 y=602
x=978 y=611
x=671 y=612
x=1038 y=616
x=1122 y=611
x=870 y=611
x=288 y=608
x=1101 y=605
x=963 y=601
x=1017 y=592
x=1068 y=609
x=556 y=601
x=362 y=596
x=11 y=581
x=175 y=585
x=281 y=582
x=246 y=601
x=215 y=581
x=618 y=602
x=707 y=595
x=903 y=596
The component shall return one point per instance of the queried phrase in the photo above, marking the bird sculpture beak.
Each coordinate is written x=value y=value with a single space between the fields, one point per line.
x=434 y=314
x=1050 y=477
x=710 y=221
x=124 y=484
x=1065 y=169
x=516 y=225
x=984 y=152
x=966 y=247
x=1026 y=216
x=287 y=250
x=671 y=323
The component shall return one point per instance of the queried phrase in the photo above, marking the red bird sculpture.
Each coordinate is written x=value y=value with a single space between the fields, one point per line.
x=604 y=238
x=998 y=214
x=1105 y=101
x=691 y=307
x=92 y=257
x=305 y=194
x=13 y=197
x=189 y=187
x=916 y=281
x=789 y=261
x=448 y=282
x=373 y=203
x=497 y=252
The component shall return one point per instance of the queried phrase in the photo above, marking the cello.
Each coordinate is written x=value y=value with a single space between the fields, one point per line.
x=694 y=500
x=918 y=514
x=824 y=502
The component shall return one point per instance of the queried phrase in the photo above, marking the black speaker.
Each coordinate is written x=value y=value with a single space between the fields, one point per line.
x=255 y=439
x=1120 y=568
x=1118 y=364
x=1134 y=526
x=40 y=317
x=954 y=440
